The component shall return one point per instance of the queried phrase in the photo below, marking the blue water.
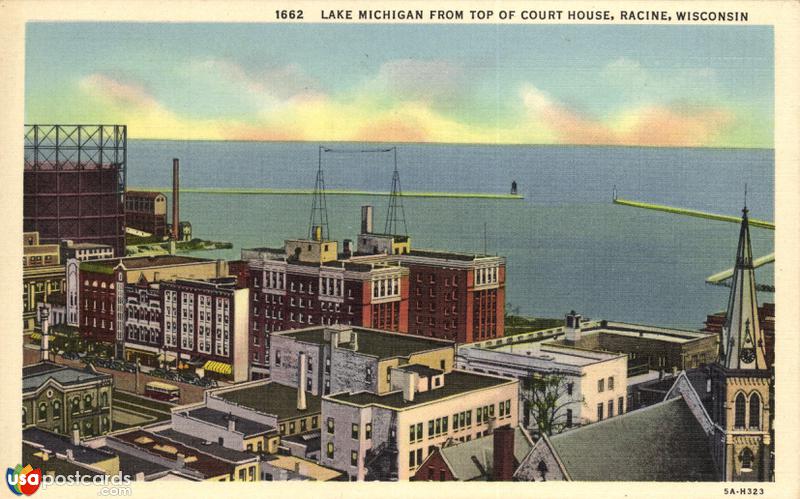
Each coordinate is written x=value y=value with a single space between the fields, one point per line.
x=567 y=246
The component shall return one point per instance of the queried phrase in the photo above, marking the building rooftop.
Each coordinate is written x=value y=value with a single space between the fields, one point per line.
x=131 y=465
x=374 y=342
x=203 y=463
x=213 y=448
x=270 y=398
x=36 y=375
x=422 y=370
x=455 y=383
x=54 y=466
x=663 y=442
x=139 y=262
x=307 y=468
x=143 y=194
x=59 y=444
x=248 y=427
x=311 y=440
x=473 y=460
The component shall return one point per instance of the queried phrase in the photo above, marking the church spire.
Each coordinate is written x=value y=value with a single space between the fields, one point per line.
x=742 y=342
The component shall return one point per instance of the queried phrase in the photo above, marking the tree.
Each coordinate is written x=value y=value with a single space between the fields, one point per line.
x=545 y=401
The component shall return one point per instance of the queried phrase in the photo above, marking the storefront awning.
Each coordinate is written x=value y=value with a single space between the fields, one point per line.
x=167 y=358
x=218 y=367
x=36 y=336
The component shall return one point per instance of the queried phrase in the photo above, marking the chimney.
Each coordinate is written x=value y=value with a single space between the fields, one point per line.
x=301 y=382
x=176 y=219
x=45 y=333
x=297 y=468
x=334 y=339
x=573 y=327
x=220 y=268
x=366 y=219
x=409 y=387
x=180 y=460
x=139 y=477
x=70 y=455
x=354 y=340
x=347 y=248
x=231 y=423
x=503 y=454
x=76 y=437
x=317 y=229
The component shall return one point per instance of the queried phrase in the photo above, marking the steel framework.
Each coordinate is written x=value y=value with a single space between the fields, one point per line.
x=75 y=178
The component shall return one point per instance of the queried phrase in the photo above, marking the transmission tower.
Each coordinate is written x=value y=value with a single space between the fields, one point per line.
x=319 y=208
x=396 y=214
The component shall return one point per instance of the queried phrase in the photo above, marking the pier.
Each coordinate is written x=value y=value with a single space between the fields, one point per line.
x=337 y=192
x=693 y=213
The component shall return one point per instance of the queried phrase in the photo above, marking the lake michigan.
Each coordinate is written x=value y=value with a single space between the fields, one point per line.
x=567 y=246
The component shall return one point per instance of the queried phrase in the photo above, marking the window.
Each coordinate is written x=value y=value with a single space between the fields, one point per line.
x=610 y=408
x=755 y=411
x=569 y=418
x=56 y=409
x=411 y=459
x=611 y=382
x=277 y=357
x=431 y=428
x=302 y=425
x=314 y=422
x=330 y=450
x=354 y=432
x=42 y=412
x=368 y=375
x=569 y=388
x=292 y=427
x=354 y=458
x=600 y=383
x=746 y=457
x=739 y=411
x=621 y=405
x=283 y=429
x=330 y=425
x=600 y=411
x=368 y=431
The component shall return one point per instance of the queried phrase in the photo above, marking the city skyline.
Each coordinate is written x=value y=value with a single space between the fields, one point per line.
x=598 y=85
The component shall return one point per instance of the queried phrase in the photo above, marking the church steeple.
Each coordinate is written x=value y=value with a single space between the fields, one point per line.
x=742 y=342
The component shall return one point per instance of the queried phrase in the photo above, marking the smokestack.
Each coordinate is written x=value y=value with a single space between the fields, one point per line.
x=503 y=454
x=231 y=423
x=573 y=327
x=176 y=219
x=347 y=248
x=76 y=437
x=180 y=460
x=45 y=333
x=409 y=387
x=354 y=341
x=366 y=219
x=301 y=382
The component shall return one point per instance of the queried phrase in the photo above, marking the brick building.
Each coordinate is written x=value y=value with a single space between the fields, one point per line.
x=96 y=289
x=291 y=290
x=146 y=211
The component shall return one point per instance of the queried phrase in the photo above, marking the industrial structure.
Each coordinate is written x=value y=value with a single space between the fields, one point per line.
x=74 y=183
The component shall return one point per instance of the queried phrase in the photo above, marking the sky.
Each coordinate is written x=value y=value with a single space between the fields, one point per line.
x=665 y=86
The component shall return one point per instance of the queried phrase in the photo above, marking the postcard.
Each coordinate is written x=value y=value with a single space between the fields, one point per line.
x=409 y=242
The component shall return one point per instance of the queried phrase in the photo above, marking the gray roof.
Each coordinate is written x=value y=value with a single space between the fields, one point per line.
x=312 y=440
x=663 y=442
x=131 y=465
x=272 y=398
x=455 y=383
x=59 y=444
x=36 y=375
x=376 y=343
x=205 y=446
x=423 y=370
x=473 y=460
x=248 y=427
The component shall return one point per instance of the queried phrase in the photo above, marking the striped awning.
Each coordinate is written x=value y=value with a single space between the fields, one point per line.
x=36 y=336
x=218 y=367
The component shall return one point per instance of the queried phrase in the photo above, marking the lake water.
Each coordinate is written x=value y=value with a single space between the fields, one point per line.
x=567 y=246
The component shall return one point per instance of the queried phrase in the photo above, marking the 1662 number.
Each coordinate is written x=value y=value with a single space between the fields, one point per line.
x=289 y=14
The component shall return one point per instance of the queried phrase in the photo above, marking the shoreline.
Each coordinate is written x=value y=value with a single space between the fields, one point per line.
x=330 y=192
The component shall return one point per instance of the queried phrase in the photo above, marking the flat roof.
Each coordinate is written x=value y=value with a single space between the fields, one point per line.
x=36 y=375
x=374 y=342
x=131 y=465
x=271 y=398
x=142 y=262
x=248 y=427
x=206 y=446
x=201 y=462
x=420 y=369
x=455 y=383
x=59 y=444
x=307 y=468
x=54 y=465
x=556 y=353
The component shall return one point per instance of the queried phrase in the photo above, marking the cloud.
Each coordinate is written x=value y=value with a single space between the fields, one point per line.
x=678 y=124
x=419 y=80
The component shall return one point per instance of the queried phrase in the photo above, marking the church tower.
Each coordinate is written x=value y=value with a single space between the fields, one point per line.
x=741 y=379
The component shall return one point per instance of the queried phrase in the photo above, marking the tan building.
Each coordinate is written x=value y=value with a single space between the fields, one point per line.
x=388 y=436
x=64 y=400
x=42 y=276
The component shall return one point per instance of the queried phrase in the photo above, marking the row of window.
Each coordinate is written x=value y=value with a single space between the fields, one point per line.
x=601 y=384
x=303 y=426
x=740 y=409
x=610 y=406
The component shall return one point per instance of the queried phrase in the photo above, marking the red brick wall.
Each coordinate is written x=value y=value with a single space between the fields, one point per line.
x=434 y=469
